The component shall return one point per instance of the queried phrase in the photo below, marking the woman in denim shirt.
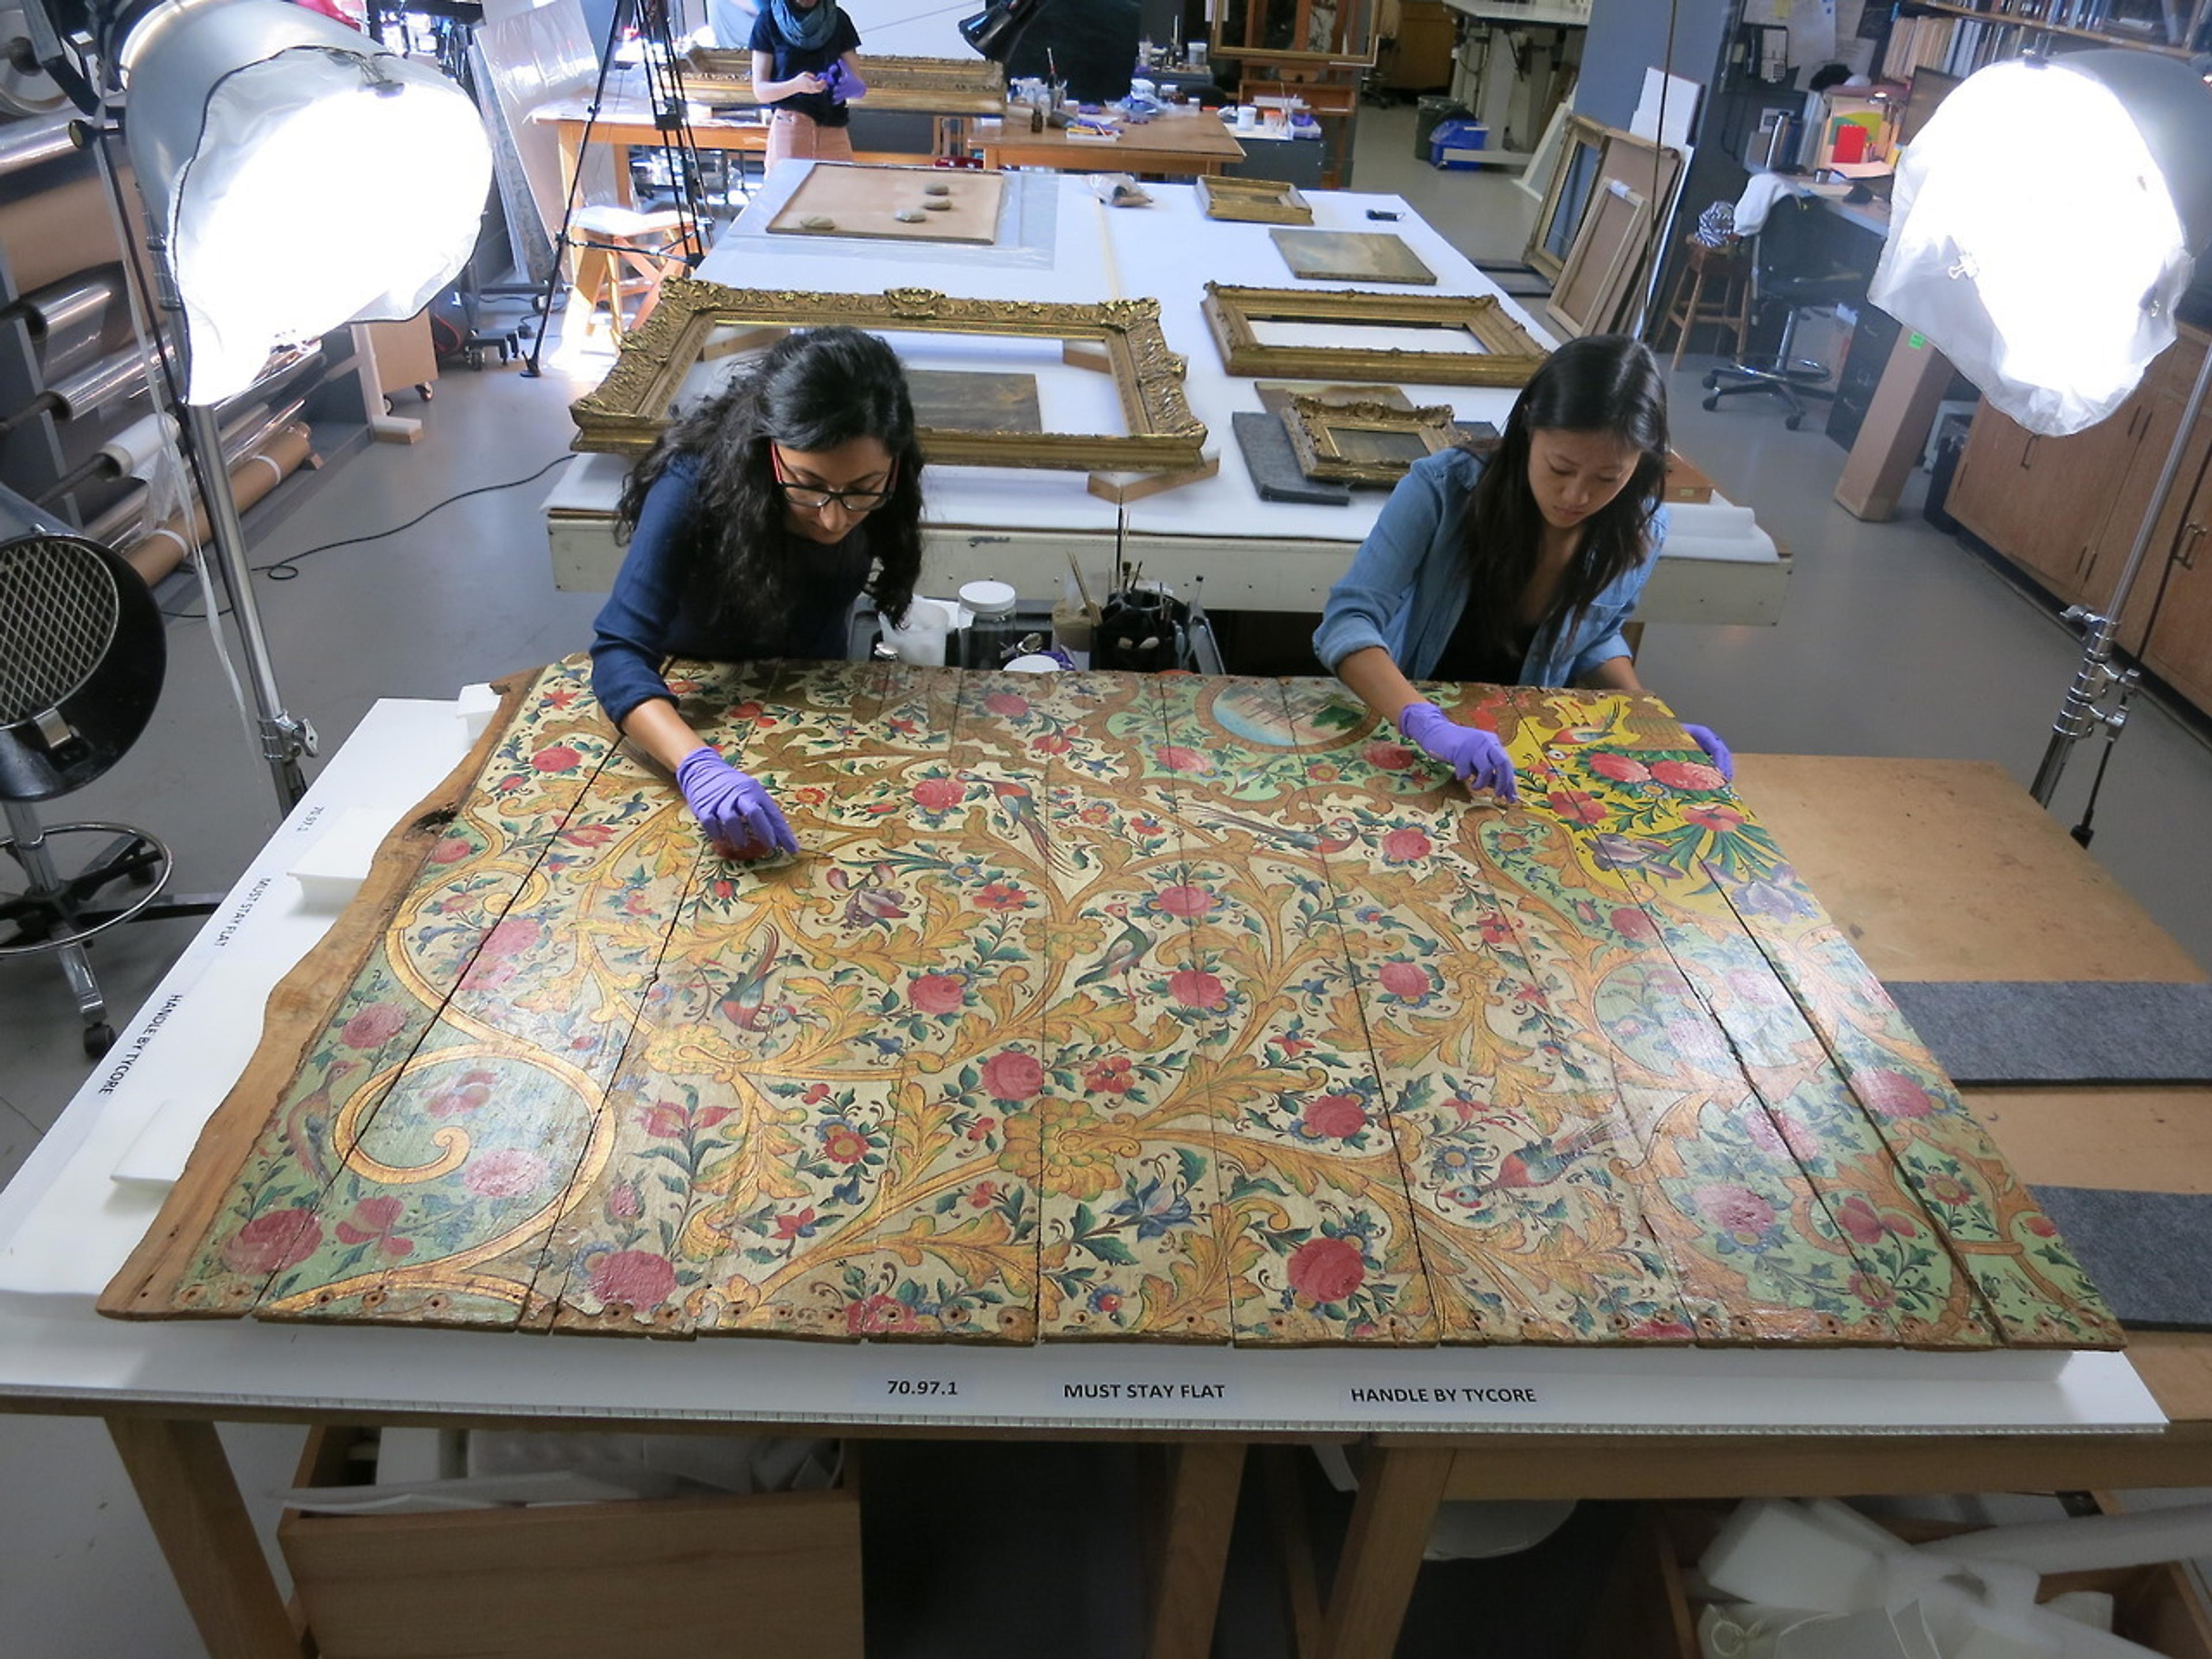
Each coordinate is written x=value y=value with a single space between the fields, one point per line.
x=1517 y=566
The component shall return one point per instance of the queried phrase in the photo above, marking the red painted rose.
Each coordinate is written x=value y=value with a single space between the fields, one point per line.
x=373 y=1025
x=1406 y=846
x=1335 y=1117
x=1326 y=1269
x=1177 y=759
x=937 y=794
x=558 y=757
x=1194 y=987
x=273 y=1241
x=1007 y=704
x=1111 y=1075
x=513 y=937
x=1185 y=901
x=1859 y=1220
x=451 y=850
x=875 y=1315
x=1717 y=819
x=1687 y=775
x=1892 y=1094
x=2041 y=1225
x=505 y=1172
x=1012 y=1075
x=466 y=1097
x=936 y=993
x=374 y=1219
x=1734 y=1209
x=1388 y=757
x=1577 y=806
x=1404 y=979
x=842 y=1144
x=1631 y=923
x=635 y=1279
x=1052 y=743
x=1622 y=769
x=1001 y=896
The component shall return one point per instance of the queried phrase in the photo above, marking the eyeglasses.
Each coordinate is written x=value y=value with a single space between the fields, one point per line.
x=812 y=498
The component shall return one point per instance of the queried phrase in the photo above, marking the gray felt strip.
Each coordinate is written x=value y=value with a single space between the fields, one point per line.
x=2063 y=1031
x=2149 y=1253
x=1274 y=465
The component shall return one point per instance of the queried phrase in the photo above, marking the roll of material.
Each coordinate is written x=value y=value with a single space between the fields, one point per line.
x=108 y=381
x=58 y=233
x=251 y=477
x=24 y=91
x=134 y=450
x=61 y=307
x=28 y=143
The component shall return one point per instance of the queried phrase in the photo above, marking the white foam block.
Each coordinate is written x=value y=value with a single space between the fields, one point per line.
x=474 y=708
x=332 y=871
x=1770 y=1551
x=156 y=1158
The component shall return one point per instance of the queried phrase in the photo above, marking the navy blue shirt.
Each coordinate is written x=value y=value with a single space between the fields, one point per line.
x=791 y=60
x=655 y=612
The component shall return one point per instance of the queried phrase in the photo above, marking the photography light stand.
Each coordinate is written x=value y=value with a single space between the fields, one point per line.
x=679 y=150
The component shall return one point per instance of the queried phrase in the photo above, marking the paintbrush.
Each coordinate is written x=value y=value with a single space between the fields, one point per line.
x=1082 y=587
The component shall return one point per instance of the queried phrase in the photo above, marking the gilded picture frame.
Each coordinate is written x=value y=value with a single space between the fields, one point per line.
x=629 y=409
x=1252 y=201
x=1510 y=354
x=1326 y=438
x=1567 y=195
x=923 y=86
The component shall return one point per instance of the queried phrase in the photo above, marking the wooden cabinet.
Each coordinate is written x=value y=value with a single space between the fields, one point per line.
x=2067 y=511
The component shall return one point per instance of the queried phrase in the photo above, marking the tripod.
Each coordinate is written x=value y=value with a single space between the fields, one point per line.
x=679 y=150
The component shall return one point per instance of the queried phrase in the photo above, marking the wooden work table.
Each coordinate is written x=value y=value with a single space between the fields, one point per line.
x=1938 y=869
x=1175 y=145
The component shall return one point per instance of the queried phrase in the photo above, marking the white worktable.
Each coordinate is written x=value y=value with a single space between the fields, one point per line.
x=1020 y=525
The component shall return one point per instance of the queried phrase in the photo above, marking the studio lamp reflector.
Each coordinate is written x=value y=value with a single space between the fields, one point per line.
x=2048 y=271
x=300 y=175
x=993 y=30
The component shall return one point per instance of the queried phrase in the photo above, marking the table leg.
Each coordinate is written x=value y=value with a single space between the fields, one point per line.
x=1400 y=1487
x=1197 y=1505
x=191 y=1500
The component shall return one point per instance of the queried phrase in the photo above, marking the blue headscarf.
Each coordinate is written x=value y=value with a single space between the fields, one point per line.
x=809 y=30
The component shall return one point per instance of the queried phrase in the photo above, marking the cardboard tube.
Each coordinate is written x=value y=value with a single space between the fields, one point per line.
x=253 y=476
x=59 y=232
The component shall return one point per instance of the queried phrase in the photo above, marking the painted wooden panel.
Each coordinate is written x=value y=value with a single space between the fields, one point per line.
x=1104 y=1006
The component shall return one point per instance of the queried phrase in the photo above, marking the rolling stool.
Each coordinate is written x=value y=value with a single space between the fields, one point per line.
x=623 y=255
x=1790 y=269
x=1728 y=268
x=81 y=658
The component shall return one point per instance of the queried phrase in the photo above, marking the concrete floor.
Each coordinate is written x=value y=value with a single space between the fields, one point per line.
x=1895 y=640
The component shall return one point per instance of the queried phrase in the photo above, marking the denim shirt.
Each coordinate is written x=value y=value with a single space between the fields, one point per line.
x=646 y=619
x=1408 y=584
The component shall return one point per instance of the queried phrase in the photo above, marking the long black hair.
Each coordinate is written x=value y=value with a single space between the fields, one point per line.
x=811 y=390
x=1605 y=383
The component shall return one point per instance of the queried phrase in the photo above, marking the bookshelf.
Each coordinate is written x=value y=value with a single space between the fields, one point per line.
x=1959 y=38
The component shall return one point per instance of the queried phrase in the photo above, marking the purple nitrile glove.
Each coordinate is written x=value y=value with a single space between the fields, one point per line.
x=731 y=807
x=1475 y=754
x=841 y=84
x=1710 y=740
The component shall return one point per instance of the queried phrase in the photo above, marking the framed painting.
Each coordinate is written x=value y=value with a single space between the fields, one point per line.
x=1487 y=346
x=1600 y=266
x=1297 y=31
x=1574 y=174
x=1364 y=443
x=695 y=322
x=920 y=86
x=1252 y=201
x=1350 y=256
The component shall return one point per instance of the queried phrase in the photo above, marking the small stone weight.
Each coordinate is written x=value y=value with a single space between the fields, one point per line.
x=817 y=221
x=937 y=190
x=909 y=216
x=936 y=204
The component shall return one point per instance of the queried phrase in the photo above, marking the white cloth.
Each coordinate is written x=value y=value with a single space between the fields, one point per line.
x=1759 y=195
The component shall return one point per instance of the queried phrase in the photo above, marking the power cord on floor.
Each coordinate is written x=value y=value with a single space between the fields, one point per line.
x=285 y=569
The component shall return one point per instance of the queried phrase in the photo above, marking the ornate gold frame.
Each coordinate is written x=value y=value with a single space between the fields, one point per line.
x=1252 y=201
x=924 y=85
x=1509 y=354
x=629 y=410
x=1314 y=425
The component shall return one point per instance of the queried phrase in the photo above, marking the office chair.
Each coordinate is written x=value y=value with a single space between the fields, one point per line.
x=82 y=659
x=1789 y=267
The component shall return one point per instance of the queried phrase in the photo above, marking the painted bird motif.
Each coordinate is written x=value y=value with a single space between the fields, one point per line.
x=1021 y=806
x=744 y=1002
x=1337 y=834
x=308 y=1122
x=1123 y=953
x=1546 y=1159
x=872 y=899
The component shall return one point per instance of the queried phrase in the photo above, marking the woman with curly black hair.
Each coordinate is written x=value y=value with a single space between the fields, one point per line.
x=752 y=525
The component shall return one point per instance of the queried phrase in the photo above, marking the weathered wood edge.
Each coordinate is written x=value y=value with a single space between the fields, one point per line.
x=299 y=1011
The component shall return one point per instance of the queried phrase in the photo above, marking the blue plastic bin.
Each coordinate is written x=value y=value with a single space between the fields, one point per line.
x=1449 y=143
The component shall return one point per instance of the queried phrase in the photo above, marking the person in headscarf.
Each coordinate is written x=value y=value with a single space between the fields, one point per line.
x=804 y=73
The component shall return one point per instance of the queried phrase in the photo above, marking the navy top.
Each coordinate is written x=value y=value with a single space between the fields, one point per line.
x=654 y=612
x=791 y=60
